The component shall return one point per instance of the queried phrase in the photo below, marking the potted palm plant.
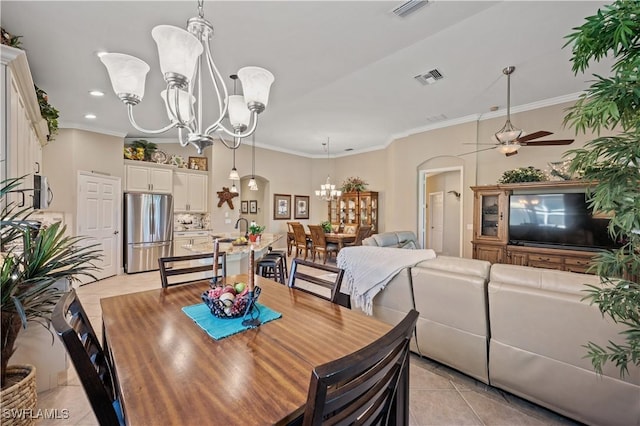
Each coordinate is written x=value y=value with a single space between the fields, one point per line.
x=613 y=164
x=33 y=260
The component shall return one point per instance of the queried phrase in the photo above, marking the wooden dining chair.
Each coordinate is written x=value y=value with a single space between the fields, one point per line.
x=370 y=385
x=319 y=244
x=362 y=232
x=291 y=238
x=312 y=274
x=192 y=265
x=91 y=362
x=302 y=243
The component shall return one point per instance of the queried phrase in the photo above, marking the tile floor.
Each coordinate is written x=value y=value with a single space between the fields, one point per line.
x=438 y=394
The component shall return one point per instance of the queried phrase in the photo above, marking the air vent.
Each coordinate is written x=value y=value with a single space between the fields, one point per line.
x=430 y=77
x=436 y=118
x=409 y=7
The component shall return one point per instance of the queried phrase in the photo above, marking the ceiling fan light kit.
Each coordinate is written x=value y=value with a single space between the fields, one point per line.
x=184 y=55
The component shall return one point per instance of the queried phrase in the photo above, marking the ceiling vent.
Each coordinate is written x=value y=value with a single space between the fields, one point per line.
x=429 y=78
x=409 y=7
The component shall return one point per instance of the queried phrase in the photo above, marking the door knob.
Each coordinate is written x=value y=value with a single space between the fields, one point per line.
x=115 y=232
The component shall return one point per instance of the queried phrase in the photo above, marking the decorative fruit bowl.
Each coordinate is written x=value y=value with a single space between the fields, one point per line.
x=229 y=301
x=241 y=241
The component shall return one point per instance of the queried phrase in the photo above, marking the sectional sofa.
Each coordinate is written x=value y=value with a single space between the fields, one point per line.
x=517 y=328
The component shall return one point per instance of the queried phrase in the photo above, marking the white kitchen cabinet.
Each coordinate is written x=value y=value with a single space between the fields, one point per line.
x=190 y=191
x=24 y=130
x=188 y=238
x=153 y=178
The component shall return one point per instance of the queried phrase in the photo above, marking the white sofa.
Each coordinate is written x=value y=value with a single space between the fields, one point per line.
x=517 y=328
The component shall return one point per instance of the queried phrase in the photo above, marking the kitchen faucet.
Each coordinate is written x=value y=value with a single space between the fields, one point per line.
x=246 y=232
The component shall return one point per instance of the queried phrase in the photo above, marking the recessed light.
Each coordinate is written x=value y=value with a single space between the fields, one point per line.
x=90 y=116
x=96 y=93
x=494 y=108
x=348 y=149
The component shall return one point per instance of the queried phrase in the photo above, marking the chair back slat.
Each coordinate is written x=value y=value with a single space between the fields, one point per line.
x=300 y=238
x=92 y=364
x=364 y=385
x=333 y=284
x=184 y=265
x=362 y=232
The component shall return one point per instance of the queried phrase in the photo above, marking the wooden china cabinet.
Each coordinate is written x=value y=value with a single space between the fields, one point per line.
x=355 y=208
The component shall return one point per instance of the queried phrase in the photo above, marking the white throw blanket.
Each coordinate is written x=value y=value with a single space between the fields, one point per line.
x=368 y=269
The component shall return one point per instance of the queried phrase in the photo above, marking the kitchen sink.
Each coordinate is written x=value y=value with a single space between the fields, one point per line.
x=223 y=240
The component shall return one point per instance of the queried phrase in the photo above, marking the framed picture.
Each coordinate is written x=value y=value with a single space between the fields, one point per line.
x=253 y=206
x=301 y=203
x=198 y=163
x=281 y=206
x=244 y=206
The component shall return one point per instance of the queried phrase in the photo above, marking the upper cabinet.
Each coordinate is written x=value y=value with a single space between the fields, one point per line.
x=24 y=131
x=156 y=178
x=190 y=191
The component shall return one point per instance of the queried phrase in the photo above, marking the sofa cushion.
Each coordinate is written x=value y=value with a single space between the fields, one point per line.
x=386 y=239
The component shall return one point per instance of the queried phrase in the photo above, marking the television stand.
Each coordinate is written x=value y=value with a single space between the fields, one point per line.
x=491 y=234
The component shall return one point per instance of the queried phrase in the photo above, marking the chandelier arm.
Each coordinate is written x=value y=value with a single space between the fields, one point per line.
x=214 y=72
x=174 y=108
x=181 y=139
x=140 y=129
x=234 y=145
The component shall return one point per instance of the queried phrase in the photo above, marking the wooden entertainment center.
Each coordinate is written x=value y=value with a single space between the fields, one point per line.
x=491 y=229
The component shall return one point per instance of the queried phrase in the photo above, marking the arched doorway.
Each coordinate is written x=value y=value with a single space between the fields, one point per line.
x=440 y=205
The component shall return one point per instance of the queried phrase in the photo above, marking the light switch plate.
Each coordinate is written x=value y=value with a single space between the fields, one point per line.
x=227 y=221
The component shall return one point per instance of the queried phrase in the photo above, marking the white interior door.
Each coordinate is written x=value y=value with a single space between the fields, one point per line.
x=99 y=207
x=436 y=221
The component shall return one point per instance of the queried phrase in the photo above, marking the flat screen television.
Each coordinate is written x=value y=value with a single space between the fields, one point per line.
x=557 y=220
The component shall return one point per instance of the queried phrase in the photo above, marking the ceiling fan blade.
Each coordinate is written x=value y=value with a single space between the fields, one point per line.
x=480 y=143
x=509 y=154
x=534 y=135
x=549 y=143
x=473 y=152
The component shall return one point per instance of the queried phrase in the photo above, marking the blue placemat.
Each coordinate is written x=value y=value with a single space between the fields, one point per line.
x=219 y=328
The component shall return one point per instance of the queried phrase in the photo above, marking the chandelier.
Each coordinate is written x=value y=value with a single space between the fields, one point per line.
x=328 y=191
x=183 y=55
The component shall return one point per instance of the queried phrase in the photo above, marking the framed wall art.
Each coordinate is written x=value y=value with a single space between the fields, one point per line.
x=244 y=206
x=301 y=206
x=281 y=206
x=198 y=163
x=253 y=206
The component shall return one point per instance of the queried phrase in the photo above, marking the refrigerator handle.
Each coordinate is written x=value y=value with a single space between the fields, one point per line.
x=152 y=220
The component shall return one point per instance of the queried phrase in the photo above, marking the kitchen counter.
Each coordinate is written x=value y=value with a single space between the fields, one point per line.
x=237 y=256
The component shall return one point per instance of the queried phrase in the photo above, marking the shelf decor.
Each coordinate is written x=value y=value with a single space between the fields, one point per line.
x=354 y=184
x=523 y=174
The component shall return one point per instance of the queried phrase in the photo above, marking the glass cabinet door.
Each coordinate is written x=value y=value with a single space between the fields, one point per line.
x=490 y=216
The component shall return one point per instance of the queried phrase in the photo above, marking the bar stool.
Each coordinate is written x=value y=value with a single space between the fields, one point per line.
x=283 y=255
x=271 y=267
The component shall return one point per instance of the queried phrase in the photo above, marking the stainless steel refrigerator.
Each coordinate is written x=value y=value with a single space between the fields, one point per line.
x=148 y=230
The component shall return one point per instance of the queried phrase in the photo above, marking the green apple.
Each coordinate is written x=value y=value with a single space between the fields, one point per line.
x=239 y=287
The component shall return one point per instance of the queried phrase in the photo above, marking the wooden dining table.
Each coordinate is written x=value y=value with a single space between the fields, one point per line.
x=337 y=238
x=171 y=372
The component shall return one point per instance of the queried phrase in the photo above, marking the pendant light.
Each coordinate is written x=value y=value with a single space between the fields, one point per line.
x=233 y=175
x=253 y=185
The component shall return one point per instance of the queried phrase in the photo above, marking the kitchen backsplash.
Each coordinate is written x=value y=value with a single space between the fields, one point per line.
x=185 y=221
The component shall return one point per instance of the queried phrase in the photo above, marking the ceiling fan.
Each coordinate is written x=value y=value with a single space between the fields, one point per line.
x=510 y=139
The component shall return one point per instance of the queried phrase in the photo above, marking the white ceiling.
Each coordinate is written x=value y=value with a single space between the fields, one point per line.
x=344 y=69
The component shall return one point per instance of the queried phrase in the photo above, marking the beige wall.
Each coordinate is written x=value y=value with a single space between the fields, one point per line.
x=393 y=172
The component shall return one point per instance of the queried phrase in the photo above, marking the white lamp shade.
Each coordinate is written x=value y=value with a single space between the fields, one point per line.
x=233 y=189
x=178 y=50
x=508 y=136
x=185 y=100
x=239 y=114
x=256 y=83
x=509 y=148
x=233 y=175
x=127 y=73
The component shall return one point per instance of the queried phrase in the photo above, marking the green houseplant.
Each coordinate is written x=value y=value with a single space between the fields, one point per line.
x=254 y=231
x=354 y=184
x=34 y=259
x=523 y=174
x=326 y=226
x=612 y=163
